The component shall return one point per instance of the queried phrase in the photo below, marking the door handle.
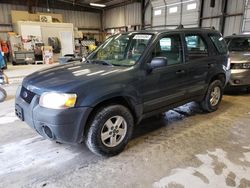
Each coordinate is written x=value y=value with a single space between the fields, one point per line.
x=210 y=65
x=180 y=72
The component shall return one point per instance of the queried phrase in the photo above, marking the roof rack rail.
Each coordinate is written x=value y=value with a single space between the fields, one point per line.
x=180 y=26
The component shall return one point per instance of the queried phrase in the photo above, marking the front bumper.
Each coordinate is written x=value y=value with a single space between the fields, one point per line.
x=66 y=125
x=239 y=77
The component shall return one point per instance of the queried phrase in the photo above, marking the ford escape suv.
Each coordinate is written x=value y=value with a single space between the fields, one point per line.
x=131 y=76
x=239 y=53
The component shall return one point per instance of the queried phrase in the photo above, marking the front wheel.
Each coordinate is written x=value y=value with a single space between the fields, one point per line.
x=213 y=96
x=109 y=130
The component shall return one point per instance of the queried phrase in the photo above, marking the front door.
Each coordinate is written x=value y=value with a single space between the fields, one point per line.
x=165 y=85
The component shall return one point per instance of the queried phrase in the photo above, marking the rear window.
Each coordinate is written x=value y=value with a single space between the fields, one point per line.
x=219 y=43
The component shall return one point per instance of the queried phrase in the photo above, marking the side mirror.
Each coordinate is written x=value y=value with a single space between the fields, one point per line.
x=83 y=59
x=158 y=62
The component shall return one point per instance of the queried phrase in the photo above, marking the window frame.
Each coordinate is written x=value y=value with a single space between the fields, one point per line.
x=210 y=35
x=203 y=38
x=165 y=35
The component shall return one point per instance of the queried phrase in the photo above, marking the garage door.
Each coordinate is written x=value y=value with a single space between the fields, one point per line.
x=170 y=13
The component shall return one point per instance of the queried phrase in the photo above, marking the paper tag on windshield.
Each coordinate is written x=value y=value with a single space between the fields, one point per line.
x=143 y=37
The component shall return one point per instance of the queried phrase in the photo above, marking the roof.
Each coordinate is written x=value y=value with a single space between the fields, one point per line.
x=238 y=36
x=203 y=30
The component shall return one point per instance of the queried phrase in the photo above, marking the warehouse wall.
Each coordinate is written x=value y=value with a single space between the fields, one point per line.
x=246 y=19
x=79 y=19
x=148 y=14
x=123 y=16
x=233 y=24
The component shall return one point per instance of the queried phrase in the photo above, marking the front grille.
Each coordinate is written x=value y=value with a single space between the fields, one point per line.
x=27 y=95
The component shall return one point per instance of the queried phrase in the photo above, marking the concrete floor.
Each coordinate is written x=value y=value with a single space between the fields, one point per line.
x=186 y=148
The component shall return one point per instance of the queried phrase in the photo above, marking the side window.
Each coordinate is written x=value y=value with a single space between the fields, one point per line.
x=219 y=43
x=196 y=47
x=169 y=47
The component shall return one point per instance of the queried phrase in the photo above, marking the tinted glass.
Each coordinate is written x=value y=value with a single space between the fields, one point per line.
x=196 y=47
x=195 y=43
x=219 y=43
x=239 y=44
x=169 y=47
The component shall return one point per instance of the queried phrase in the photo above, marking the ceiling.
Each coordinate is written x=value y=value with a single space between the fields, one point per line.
x=80 y=5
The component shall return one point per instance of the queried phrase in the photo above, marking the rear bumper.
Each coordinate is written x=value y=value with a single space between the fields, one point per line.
x=65 y=125
x=239 y=78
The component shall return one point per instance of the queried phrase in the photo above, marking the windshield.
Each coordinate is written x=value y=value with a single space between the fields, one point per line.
x=239 y=44
x=121 y=50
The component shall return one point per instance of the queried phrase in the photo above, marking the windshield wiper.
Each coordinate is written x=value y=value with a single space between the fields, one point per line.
x=102 y=62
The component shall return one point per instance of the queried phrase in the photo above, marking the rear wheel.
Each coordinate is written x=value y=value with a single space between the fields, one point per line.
x=109 y=130
x=213 y=96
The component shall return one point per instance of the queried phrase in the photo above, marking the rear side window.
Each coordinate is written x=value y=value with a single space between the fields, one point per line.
x=196 y=46
x=219 y=43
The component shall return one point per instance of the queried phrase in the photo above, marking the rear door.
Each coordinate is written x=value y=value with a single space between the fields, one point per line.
x=165 y=85
x=199 y=61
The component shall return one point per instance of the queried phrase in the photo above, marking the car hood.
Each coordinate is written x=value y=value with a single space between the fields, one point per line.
x=240 y=57
x=65 y=78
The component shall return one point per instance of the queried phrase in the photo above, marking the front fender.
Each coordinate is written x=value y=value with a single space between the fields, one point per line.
x=92 y=97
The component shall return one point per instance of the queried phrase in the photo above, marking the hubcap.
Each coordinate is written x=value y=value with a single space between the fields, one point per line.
x=215 y=96
x=114 y=131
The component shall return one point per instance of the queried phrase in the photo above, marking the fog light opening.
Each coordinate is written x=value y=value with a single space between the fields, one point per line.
x=237 y=81
x=48 y=132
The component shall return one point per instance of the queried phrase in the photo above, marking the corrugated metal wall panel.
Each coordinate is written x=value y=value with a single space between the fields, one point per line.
x=215 y=22
x=79 y=19
x=148 y=15
x=5 y=12
x=246 y=19
x=212 y=11
x=232 y=25
x=235 y=6
x=133 y=14
x=123 y=16
x=115 y=17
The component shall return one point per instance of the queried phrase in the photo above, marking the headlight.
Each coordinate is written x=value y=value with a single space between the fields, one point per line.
x=228 y=64
x=241 y=66
x=246 y=66
x=55 y=100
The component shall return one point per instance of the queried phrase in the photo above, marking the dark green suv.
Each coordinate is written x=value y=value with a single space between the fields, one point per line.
x=131 y=76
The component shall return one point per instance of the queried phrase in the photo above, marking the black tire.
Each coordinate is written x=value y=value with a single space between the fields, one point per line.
x=3 y=94
x=248 y=89
x=97 y=124
x=206 y=104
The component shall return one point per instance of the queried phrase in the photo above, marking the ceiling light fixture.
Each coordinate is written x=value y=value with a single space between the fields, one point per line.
x=97 y=5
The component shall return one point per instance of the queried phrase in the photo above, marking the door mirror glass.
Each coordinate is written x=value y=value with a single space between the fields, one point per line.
x=158 y=62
